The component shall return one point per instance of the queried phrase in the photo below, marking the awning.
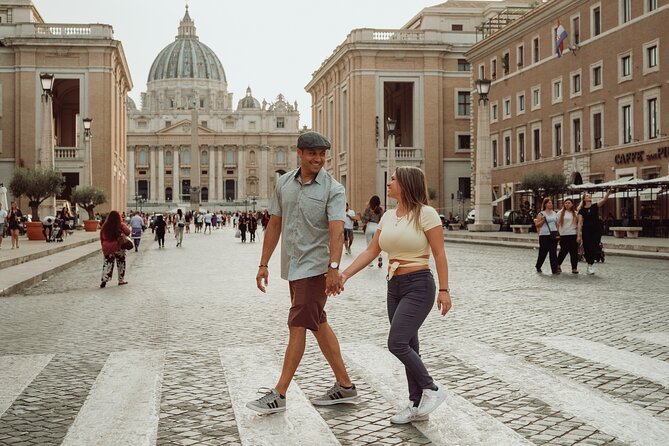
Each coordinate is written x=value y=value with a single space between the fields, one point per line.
x=502 y=198
x=656 y=181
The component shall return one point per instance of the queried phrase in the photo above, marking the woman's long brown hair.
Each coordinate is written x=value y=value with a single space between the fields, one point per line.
x=573 y=212
x=413 y=190
x=111 y=229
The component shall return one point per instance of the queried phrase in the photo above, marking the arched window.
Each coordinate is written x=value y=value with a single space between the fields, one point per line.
x=229 y=157
x=204 y=159
x=252 y=157
x=281 y=157
x=204 y=194
x=168 y=158
x=185 y=157
x=168 y=194
x=142 y=159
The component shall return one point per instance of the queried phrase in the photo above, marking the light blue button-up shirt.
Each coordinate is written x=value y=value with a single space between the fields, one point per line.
x=305 y=211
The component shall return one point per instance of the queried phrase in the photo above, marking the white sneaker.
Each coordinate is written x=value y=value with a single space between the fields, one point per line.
x=431 y=400
x=407 y=415
x=591 y=269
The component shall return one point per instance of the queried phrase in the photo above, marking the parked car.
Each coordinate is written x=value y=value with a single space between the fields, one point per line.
x=471 y=218
x=515 y=217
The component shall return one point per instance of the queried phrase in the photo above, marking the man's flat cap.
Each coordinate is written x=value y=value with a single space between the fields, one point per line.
x=312 y=140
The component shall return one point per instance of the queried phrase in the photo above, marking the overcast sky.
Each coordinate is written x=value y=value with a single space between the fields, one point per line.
x=272 y=46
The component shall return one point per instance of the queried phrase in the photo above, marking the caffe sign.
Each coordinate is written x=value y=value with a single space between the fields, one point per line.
x=641 y=155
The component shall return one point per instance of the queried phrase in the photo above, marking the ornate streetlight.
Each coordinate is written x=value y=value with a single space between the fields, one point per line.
x=390 y=161
x=89 y=153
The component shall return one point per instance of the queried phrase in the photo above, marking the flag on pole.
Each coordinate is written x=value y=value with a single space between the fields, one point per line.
x=560 y=37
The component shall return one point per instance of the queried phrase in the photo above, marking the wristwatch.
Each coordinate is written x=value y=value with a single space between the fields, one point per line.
x=334 y=265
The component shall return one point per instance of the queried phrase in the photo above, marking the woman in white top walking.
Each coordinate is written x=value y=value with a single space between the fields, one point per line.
x=408 y=234
x=180 y=221
x=546 y=222
x=569 y=240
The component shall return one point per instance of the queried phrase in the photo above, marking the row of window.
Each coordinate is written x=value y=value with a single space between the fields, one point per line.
x=229 y=191
x=143 y=159
x=574 y=32
x=625 y=132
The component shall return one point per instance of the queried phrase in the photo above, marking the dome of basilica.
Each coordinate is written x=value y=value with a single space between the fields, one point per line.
x=248 y=102
x=187 y=57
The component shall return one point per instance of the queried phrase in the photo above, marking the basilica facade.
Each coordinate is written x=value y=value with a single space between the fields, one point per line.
x=187 y=137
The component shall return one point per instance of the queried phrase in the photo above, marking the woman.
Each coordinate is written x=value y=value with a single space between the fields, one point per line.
x=110 y=238
x=3 y=218
x=407 y=234
x=568 y=227
x=252 y=226
x=179 y=228
x=14 y=222
x=590 y=228
x=242 y=226
x=137 y=227
x=370 y=219
x=160 y=231
x=546 y=222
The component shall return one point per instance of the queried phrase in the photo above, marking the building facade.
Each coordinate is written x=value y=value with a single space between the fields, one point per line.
x=595 y=113
x=417 y=76
x=186 y=136
x=91 y=80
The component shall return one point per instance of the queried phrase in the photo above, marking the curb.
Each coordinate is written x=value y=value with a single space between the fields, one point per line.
x=41 y=254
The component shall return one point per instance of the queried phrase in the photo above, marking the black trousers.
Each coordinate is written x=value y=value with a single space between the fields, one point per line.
x=569 y=246
x=547 y=247
x=591 y=240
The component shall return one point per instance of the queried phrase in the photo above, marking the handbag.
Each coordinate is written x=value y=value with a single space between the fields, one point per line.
x=125 y=242
x=555 y=235
x=238 y=234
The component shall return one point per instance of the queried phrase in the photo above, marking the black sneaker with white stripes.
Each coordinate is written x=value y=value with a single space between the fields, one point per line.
x=336 y=395
x=270 y=402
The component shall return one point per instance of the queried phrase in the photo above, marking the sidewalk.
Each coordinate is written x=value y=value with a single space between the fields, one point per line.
x=648 y=247
x=35 y=260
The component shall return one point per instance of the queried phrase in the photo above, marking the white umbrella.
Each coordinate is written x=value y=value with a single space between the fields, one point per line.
x=3 y=197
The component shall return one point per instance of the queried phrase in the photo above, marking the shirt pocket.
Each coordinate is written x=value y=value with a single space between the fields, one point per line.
x=314 y=208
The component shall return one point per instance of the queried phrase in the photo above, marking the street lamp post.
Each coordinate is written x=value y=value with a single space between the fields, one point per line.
x=253 y=203
x=390 y=161
x=89 y=153
x=47 y=157
x=483 y=194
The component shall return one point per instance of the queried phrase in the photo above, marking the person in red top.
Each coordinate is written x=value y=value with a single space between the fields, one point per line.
x=110 y=237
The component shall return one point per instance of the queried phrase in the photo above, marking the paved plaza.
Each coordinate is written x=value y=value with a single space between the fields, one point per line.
x=171 y=358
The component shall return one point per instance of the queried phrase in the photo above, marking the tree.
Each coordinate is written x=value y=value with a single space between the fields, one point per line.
x=37 y=185
x=88 y=197
x=544 y=185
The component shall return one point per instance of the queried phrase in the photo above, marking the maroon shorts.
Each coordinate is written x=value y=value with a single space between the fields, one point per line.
x=307 y=299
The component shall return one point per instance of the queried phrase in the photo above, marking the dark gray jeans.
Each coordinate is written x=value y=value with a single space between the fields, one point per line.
x=410 y=300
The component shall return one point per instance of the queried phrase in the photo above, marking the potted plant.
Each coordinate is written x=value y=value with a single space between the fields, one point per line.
x=88 y=197
x=37 y=185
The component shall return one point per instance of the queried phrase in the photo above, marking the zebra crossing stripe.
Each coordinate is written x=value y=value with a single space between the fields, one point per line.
x=456 y=422
x=649 y=368
x=619 y=419
x=251 y=367
x=123 y=405
x=16 y=372
x=660 y=338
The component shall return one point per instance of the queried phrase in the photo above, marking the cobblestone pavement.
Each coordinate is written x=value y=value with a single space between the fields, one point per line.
x=526 y=358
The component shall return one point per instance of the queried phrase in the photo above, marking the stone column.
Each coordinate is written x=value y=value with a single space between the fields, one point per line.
x=219 y=168
x=264 y=172
x=241 y=173
x=153 y=171
x=161 y=174
x=212 y=173
x=176 y=181
x=483 y=191
x=131 y=174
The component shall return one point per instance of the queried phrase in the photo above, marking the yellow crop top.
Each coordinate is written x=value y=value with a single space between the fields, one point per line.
x=400 y=239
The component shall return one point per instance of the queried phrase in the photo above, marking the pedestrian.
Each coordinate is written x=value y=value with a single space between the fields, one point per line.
x=307 y=213
x=137 y=226
x=569 y=240
x=408 y=234
x=188 y=218
x=590 y=229
x=214 y=221
x=370 y=219
x=112 y=247
x=546 y=224
x=160 y=230
x=252 y=227
x=14 y=223
x=243 y=226
x=348 y=228
x=179 y=229
x=3 y=221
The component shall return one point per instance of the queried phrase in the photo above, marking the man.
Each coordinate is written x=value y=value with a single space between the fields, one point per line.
x=307 y=211
x=47 y=227
x=137 y=226
x=207 y=222
x=348 y=228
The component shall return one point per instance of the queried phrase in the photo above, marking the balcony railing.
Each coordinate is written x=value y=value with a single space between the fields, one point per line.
x=58 y=30
x=403 y=153
x=68 y=153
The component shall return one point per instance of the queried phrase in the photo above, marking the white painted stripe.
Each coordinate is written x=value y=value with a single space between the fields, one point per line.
x=621 y=420
x=456 y=422
x=660 y=338
x=649 y=368
x=16 y=372
x=123 y=405
x=247 y=369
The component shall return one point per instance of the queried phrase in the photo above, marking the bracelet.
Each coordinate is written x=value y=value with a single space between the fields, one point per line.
x=446 y=290
x=262 y=266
